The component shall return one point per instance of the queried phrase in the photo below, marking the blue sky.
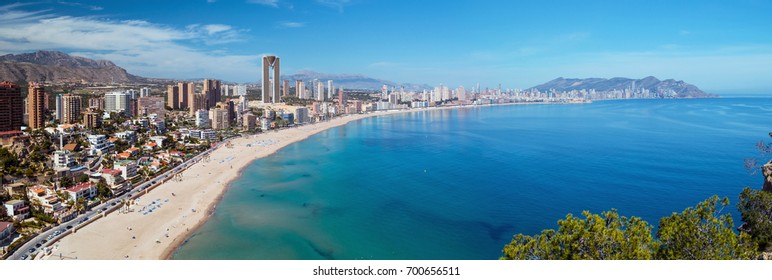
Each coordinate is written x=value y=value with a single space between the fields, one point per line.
x=720 y=46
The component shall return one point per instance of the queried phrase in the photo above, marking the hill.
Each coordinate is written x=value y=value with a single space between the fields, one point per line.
x=54 y=66
x=670 y=87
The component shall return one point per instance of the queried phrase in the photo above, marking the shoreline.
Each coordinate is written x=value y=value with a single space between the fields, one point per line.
x=102 y=239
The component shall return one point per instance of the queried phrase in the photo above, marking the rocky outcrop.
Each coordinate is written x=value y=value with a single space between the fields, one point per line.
x=767 y=171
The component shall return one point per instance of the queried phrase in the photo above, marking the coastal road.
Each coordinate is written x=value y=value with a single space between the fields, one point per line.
x=45 y=239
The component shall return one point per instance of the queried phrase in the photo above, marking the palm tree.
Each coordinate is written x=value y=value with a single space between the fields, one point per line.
x=80 y=205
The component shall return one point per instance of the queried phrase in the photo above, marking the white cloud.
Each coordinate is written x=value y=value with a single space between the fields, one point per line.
x=291 y=24
x=337 y=4
x=272 y=3
x=143 y=48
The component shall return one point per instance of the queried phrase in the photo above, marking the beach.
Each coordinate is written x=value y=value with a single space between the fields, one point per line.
x=179 y=205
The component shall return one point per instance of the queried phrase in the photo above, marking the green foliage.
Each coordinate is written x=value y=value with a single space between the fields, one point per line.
x=103 y=191
x=66 y=182
x=756 y=210
x=83 y=178
x=610 y=237
x=700 y=233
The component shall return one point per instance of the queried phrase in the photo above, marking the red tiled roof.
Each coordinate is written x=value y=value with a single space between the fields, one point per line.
x=80 y=187
x=113 y=172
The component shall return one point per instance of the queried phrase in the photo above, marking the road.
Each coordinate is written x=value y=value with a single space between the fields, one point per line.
x=30 y=248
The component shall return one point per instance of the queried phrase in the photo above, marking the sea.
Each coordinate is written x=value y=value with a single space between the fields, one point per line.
x=459 y=183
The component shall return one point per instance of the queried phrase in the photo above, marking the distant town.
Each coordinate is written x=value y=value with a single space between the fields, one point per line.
x=73 y=147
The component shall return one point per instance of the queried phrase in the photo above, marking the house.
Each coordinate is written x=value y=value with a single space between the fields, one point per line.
x=123 y=156
x=45 y=197
x=159 y=140
x=128 y=168
x=6 y=232
x=112 y=177
x=134 y=151
x=72 y=147
x=150 y=146
x=155 y=166
x=85 y=190
x=99 y=145
x=129 y=136
x=17 y=209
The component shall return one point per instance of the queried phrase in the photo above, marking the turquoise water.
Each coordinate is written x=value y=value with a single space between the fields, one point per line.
x=457 y=184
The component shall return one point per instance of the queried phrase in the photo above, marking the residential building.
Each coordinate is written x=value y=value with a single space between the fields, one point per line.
x=300 y=89
x=196 y=102
x=92 y=118
x=151 y=105
x=301 y=115
x=70 y=108
x=99 y=145
x=6 y=232
x=219 y=118
x=86 y=190
x=202 y=118
x=46 y=198
x=97 y=103
x=113 y=177
x=144 y=92
x=285 y=88
x=17 y=209
x=36 y=106
x=330 y=90
x=173 y=97
x=130 y=136
x=118 y=102
x=11 y=107
x=211 y=92
x=63 y=159
x=250 y=121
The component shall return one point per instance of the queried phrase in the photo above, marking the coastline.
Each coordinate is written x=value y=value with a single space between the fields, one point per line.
x=132 y=235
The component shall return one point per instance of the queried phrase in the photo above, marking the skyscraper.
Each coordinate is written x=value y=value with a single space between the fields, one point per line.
x=319 y=90
x=173 y=96
x=144 y=92
x=36 y=106
x=341 y=100
x=330 y=90
x=211 y=92
x=271 y=87
x=58 y=104
x=184 y=89
x=70 y=108
x=300 y=89
x=285 y=88
x=11 y=107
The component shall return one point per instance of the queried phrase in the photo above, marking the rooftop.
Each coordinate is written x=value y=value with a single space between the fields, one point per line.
x=80 y=187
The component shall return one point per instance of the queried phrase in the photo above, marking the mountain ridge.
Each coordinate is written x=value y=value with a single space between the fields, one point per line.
x=668 y=87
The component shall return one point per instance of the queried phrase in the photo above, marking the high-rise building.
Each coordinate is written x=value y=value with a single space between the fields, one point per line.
x=319 y=90
x=173 y=97
x=461 y=93
x=11 y=107
x=92 y=118
x=118 y=102
x=300 y=89
x=144 y=92
x=59 y=110
x=225 y=90
x=182 y=101
x=301 y=115
x=271 y=86
x=341 y=100
x=250 y=121
x=97 y=103
x=330 y=90
x=36 y=106
x=211 y=92
x=196 y=101
x=285 y=88
x=70 y=108
x=219 y=118
x=202 y=118
x=151 y=105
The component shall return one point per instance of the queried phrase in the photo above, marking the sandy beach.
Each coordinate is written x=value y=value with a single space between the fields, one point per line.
x=180 y=205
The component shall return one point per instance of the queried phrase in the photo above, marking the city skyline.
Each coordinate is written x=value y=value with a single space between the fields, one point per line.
x=719 y=46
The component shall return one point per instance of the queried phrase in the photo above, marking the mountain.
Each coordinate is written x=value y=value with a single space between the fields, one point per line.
x=670 y=87
x=352 y=81
x=54 y=66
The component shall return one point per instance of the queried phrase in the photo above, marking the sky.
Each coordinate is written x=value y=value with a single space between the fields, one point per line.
x=719 y=46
